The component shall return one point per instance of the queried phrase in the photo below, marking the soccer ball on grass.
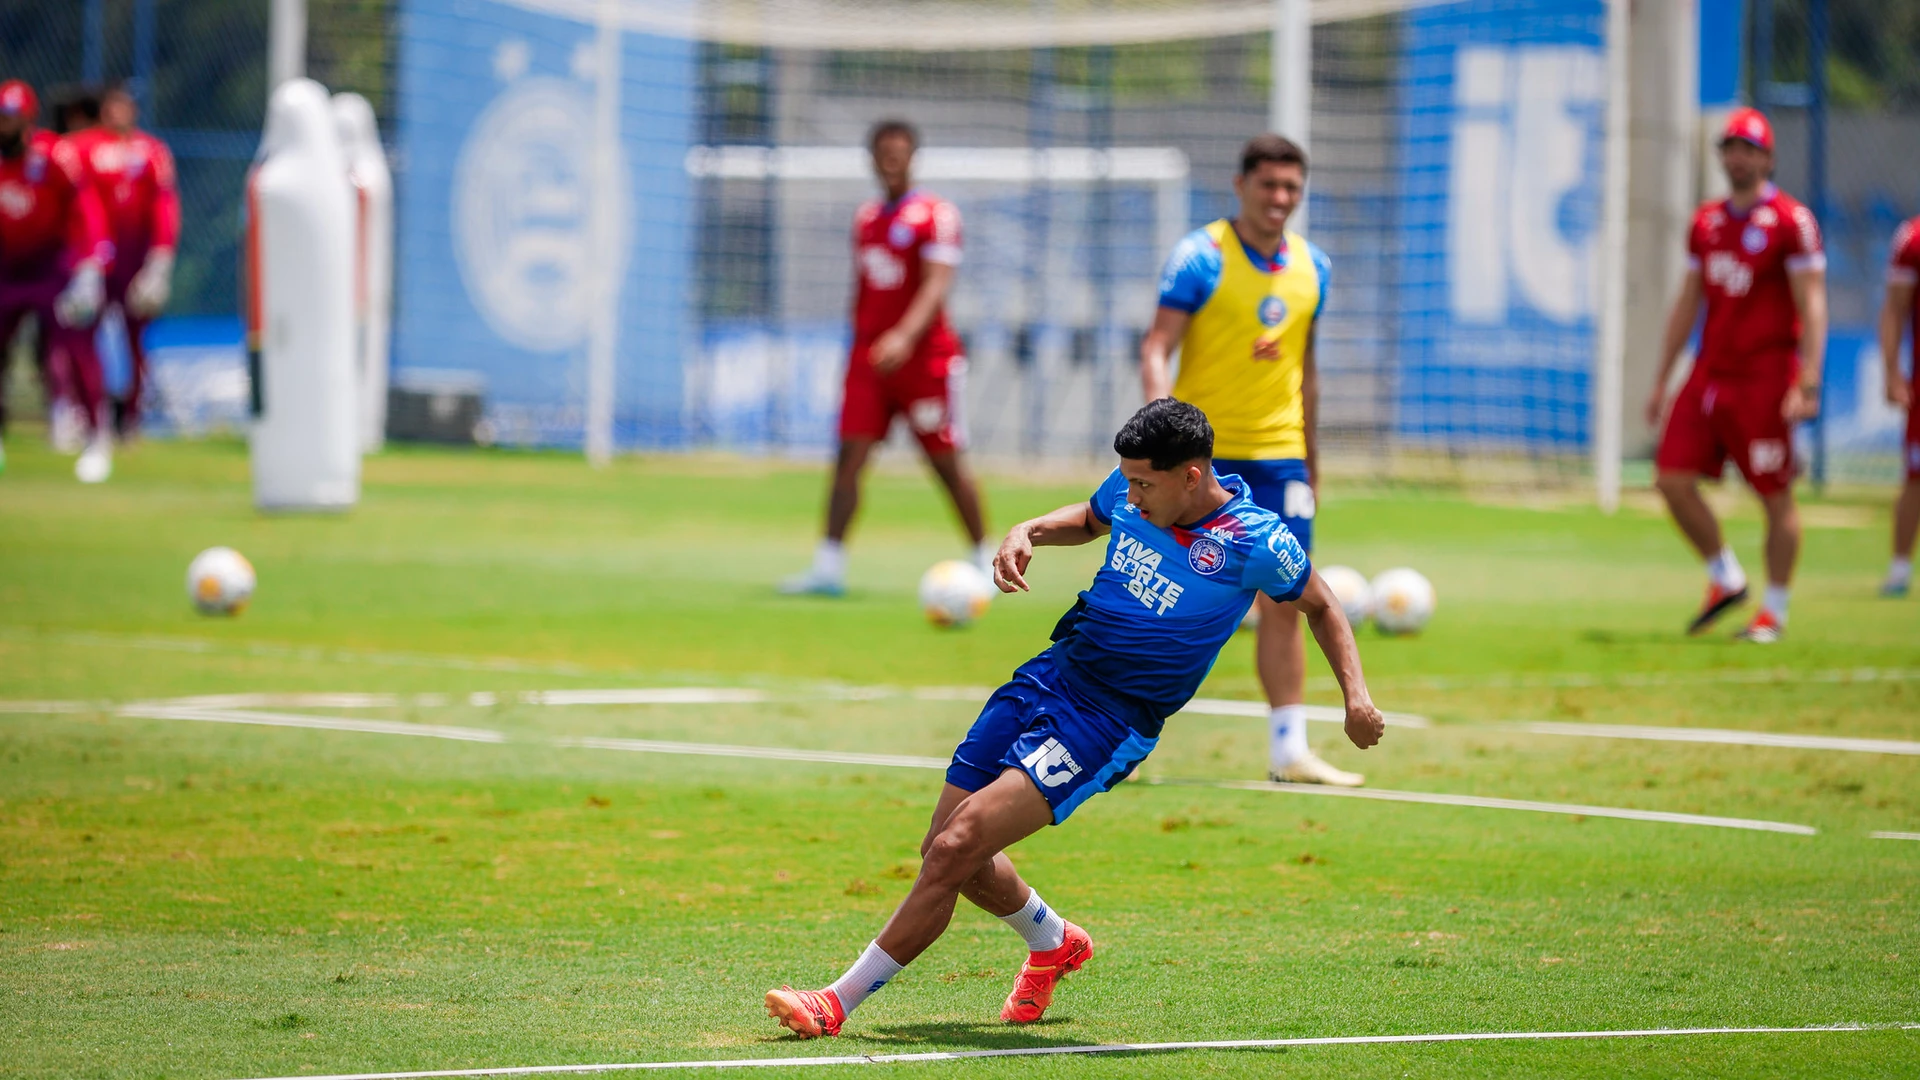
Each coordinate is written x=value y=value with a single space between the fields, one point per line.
x=954 y=593
x=1402 y=601
x=1351 y=588
x=220 y=581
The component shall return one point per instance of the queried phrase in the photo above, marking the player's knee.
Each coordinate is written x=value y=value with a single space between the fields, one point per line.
x=1673 y=483
x=953 y=856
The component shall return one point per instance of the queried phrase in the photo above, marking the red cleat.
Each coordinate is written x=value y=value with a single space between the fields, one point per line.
x=1763 y=630
x=1719 y=600
x=807 y=1013
x=1033 y=990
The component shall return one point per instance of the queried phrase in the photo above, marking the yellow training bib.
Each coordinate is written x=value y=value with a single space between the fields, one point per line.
x=1244 y=351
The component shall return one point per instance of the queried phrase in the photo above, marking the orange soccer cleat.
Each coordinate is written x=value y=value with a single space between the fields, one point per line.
x=1719 y=600
x=1033 y=990
x=807 y=1013
x=1763 y=630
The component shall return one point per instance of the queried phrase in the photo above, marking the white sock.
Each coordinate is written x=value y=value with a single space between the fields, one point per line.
x=1776 y=603
x=983 y=553
x=830 y=559
x=869 y=973
x=1899 y=571
x=1040 y=925
x=1288 y=726
x=1725 y=571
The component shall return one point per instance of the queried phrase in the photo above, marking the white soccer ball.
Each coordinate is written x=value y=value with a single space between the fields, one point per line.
x=1352 y=589
x=220 y=581
x=1402 y=601
x=954 y=593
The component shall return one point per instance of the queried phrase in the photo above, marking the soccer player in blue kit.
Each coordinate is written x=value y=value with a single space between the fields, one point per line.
x=1188 y=551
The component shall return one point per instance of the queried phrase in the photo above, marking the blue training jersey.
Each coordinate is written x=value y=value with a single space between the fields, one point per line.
x=1142 y=638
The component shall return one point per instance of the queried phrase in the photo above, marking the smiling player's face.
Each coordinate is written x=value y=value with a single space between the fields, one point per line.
x=1164 y=497
x=1269 y=195
x=1746 y=165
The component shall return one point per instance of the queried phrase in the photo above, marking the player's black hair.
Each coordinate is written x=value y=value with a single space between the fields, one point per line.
x=1270 y=147
x=73 y=106
x=1166 y=434
x=890 y=127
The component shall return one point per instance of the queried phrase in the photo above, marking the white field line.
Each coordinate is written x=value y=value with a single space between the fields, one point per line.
x=326 y=723
x=21 y=707
x=1486 y=803
x=276 y=701
x=665 y=695
x=1726 y=736
x=1107 y=1048
x=1896 y=835
x=1325 y=713
x=768 y=753
x=1576 y=679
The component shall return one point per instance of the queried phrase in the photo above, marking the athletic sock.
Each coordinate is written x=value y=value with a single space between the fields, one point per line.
x=869 y=973
x=830 y=560
x=1900 y=571
x=1040 y=925
x=1725 y=571
x=1776 y=603
x=983 y=553
x=1288 y=727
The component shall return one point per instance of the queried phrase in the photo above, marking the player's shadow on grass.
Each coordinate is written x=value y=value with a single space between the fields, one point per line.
x=973 y=1035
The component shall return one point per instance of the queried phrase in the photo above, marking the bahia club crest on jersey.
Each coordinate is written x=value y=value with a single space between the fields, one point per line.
x=1142 y=638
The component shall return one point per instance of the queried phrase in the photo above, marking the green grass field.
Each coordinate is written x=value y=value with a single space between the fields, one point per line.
x=195 y=899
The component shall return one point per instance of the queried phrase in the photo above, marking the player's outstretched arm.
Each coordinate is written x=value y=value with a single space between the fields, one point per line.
x=1328 y=621
x=1068 y=526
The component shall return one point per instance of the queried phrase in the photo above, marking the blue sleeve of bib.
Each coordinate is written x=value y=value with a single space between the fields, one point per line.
x=1324 y=267
x=1277 y=566
x=1112 y=488
x=1191 y=274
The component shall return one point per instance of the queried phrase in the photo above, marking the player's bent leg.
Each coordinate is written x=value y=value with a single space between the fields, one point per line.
x=1906 y=526
x=964 y=490
x=1783 y=550
x=1280 y=652
x=1726 y=581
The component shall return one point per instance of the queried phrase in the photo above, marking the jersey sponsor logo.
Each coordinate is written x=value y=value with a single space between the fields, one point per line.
x=1206 y=555
x=1273 y=311
x=1766 y=217
x=1293 y=561
x=16 y=200
x=1726 y=270
x=1051 y=764
x=900 y=233
x=1767 y=455
x=1140 y=565
x=1754 y=239
x=1803 y=220
x=882 y=268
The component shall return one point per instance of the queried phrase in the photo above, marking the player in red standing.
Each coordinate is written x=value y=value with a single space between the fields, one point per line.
x=133 y=175
x=1902 y=310
x=1755 y=259
x=906 y=359
x=54 y=252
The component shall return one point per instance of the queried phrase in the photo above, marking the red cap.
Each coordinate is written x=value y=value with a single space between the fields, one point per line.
x=1749 y=125
x=17 y=99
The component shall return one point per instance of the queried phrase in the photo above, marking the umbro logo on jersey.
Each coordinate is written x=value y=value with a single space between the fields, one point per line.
x=1052 y=765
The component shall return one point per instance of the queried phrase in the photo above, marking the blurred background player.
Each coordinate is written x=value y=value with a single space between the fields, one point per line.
x=1756 y=261
x=1901 y=311
x=1241 y=298
x=133 y=175
x=906 y=359
x=53 y=254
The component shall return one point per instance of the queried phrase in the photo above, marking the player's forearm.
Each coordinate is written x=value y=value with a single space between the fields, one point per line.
x=1679 y=329
x=1065 y=527
x=1335 y=637
x=1155 y=381
x=1813 y=333
x=1890 y=334
x=1310 y=412
x=925 y=304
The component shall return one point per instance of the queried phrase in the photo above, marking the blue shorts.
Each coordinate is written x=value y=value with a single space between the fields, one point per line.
x=1272 y=482
x=1037 y=724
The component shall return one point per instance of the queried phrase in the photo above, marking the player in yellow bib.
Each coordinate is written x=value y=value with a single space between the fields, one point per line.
x=1240 y=299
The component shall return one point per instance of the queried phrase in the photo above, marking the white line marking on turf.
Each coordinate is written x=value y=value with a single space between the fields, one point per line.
x=1325 y=713
x=1108 y=1048
x=275 y=701
x=326 y=723
x=1896 y=836
x=1485 y=803
x=1726 y=736
x=662 y=695
x=1577 y=679
x=769 y=753
x=48 y=706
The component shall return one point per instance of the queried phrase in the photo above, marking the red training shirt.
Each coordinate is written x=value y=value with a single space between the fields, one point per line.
x=1752 y=329
x=50 y=217
x=892 y=244
x=1903 y=268
x=134 y=178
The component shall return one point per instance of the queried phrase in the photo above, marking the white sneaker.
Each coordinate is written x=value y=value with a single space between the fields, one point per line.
x=813 y=583
x=1311 y=770
x=66 y=428
x=95 y=463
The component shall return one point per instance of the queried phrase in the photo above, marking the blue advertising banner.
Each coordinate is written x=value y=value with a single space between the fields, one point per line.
x=1502 y=137
x=494 y=250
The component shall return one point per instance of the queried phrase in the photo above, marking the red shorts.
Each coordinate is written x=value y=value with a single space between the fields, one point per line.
x=928 y=392
x=1911 y=447
x=1712 y=420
